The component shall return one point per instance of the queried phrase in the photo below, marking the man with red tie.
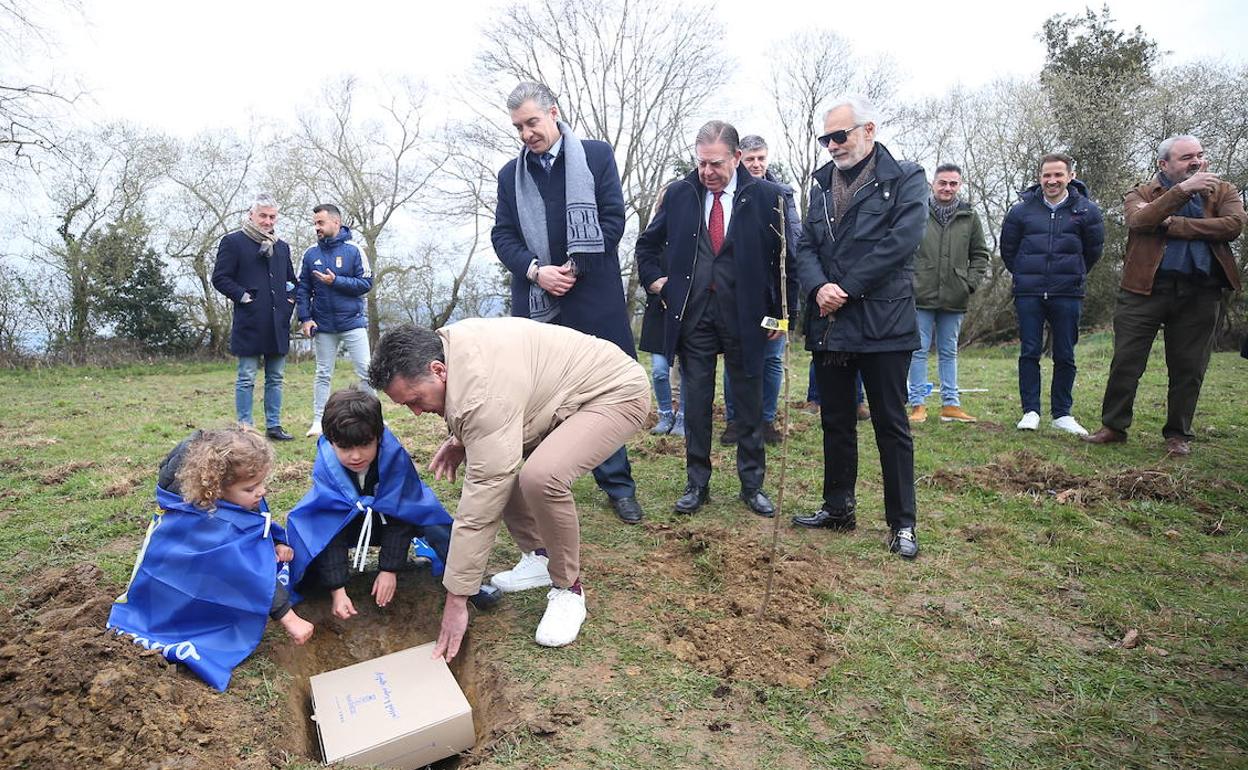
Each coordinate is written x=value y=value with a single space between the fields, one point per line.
x=718 y=232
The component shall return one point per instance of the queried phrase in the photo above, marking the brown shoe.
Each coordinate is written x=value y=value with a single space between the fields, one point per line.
x=1106 y=435
x=918 y=414
x=1178 y=446
x=864 y=412
x=955 y=414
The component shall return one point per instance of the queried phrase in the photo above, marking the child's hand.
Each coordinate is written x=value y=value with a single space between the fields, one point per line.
x=383 y=588
x=343 y=607
x=299 y=629
x=284 y=552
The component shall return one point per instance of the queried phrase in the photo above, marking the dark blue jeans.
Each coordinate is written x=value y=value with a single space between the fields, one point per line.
x=1062 y=316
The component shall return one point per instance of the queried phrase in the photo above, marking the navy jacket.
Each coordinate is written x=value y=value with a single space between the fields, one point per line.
x=339 y=306
x=595 y=305
x=1050 y=252
x=869 y=252
x=262 y=326
x=669 y=247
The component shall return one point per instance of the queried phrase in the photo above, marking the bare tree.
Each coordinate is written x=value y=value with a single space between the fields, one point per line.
x=372 y=169
x=209 y=175
x=633 y=73
x=29 y=111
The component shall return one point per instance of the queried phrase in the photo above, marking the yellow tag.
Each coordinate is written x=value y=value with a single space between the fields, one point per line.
x=775 y=324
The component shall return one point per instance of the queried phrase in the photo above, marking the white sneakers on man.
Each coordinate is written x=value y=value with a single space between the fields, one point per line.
x=1070 y=425
x=565 y=612
x=1030 y=421
x=315 y=430
x=529 y=572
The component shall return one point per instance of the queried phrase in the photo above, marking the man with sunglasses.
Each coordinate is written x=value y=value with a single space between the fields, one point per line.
x=855 y=262
x=712 y=254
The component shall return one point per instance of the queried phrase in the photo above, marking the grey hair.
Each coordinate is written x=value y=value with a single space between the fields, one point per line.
x=717 y=131
x=1163 y=149
x=262 y=201
x=863 y=108
x=753 y=142
x=527 y=90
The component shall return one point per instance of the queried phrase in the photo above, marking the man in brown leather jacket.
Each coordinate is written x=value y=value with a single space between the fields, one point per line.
x=1178 y=263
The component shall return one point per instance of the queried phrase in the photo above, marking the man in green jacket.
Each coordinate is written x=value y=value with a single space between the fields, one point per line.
x=950 y=264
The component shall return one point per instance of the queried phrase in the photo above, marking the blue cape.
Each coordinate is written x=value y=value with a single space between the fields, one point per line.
x=202 y=586
x=333 y=502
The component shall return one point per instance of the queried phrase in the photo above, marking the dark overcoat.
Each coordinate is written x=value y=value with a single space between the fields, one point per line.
x=262 y=326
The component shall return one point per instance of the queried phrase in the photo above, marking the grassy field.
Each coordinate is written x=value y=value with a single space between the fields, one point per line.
x=1000 y=647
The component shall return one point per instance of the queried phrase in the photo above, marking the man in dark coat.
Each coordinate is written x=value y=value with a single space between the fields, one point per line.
x=557 y=228
x=855 y=262
x=712 y=253
x=1050 y=240
x=253 y=270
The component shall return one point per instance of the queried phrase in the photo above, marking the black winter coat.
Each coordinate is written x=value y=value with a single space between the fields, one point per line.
x=1051 y=251
x=869 y=253
x=262 y=326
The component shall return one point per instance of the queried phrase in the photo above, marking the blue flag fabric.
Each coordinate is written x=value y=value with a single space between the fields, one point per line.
x=333 y=501
x=202 y=585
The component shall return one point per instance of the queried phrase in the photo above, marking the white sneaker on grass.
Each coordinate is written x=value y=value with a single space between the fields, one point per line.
x=1030 y=421
x=1069 y=424
x=565 y=612
x=529 y=572
x=315 y=430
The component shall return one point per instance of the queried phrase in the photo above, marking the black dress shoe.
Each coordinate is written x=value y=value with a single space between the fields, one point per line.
x=730 y=435
x=758 y=502
x=904 y=543
x=842 y=520
x=627 y=509
x=277 y=434
x=486 y=598
x=693 y=499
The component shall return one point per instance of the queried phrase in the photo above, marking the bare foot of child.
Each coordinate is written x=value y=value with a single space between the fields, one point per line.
x=299 y=629
x=342 y=605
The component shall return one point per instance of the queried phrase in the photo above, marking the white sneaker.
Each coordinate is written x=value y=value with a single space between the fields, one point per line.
x=565 y=612
x=1070 y=425
x=1030 y=421
x=529 y=572
x=315 y=430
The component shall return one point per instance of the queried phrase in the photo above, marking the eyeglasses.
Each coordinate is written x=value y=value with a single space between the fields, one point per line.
x=838 y=137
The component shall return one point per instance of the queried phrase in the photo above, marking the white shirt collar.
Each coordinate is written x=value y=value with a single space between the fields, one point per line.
x=556 y=147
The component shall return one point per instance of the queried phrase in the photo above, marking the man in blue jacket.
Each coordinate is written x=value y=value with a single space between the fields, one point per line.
x=253 y=270
x=712 y=253
x=855 y=262
x=333 y=280
x=557 y=229
x=1050 y=240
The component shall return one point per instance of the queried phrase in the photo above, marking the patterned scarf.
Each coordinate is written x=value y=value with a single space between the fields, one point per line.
x=843 y=190
x=266 y=240
x=943 y=213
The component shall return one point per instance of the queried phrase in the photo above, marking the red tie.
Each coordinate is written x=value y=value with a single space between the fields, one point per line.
x=717 y=224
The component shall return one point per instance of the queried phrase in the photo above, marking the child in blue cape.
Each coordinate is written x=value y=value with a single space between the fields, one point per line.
x=206 y=578
x=365 y=491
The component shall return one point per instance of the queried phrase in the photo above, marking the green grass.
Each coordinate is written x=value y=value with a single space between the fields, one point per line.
x=997 y=648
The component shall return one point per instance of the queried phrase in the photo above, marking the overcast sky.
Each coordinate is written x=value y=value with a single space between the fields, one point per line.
x=186 y=67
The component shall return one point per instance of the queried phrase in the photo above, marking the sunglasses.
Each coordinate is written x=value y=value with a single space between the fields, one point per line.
x=838 y=137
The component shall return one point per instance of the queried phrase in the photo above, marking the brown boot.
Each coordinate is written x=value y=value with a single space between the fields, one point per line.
x=1177 y=446
x=955 y=414
x=1106 y=435
x=918 y=413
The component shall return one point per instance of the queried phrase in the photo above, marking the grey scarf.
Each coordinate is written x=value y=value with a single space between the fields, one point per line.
x=266 y=240
x=584 y=233
x=943 y=213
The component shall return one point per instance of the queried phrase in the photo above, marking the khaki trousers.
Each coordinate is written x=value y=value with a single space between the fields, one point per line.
x=541 y=512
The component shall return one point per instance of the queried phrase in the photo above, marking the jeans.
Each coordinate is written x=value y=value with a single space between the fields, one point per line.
x=274 y=367
x=661 y=377
x=947 y=324
x=773 y=375
x=326 y=346
x=1062 y=315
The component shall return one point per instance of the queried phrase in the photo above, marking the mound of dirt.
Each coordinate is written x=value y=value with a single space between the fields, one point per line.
x=726 y=575
x=74 y=695
x=1024 y=473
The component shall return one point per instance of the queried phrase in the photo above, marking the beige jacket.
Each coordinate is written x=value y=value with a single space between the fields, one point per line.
x=509 y=383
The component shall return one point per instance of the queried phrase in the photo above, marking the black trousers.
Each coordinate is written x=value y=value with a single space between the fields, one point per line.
x=884 y=378
x=698 y=351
